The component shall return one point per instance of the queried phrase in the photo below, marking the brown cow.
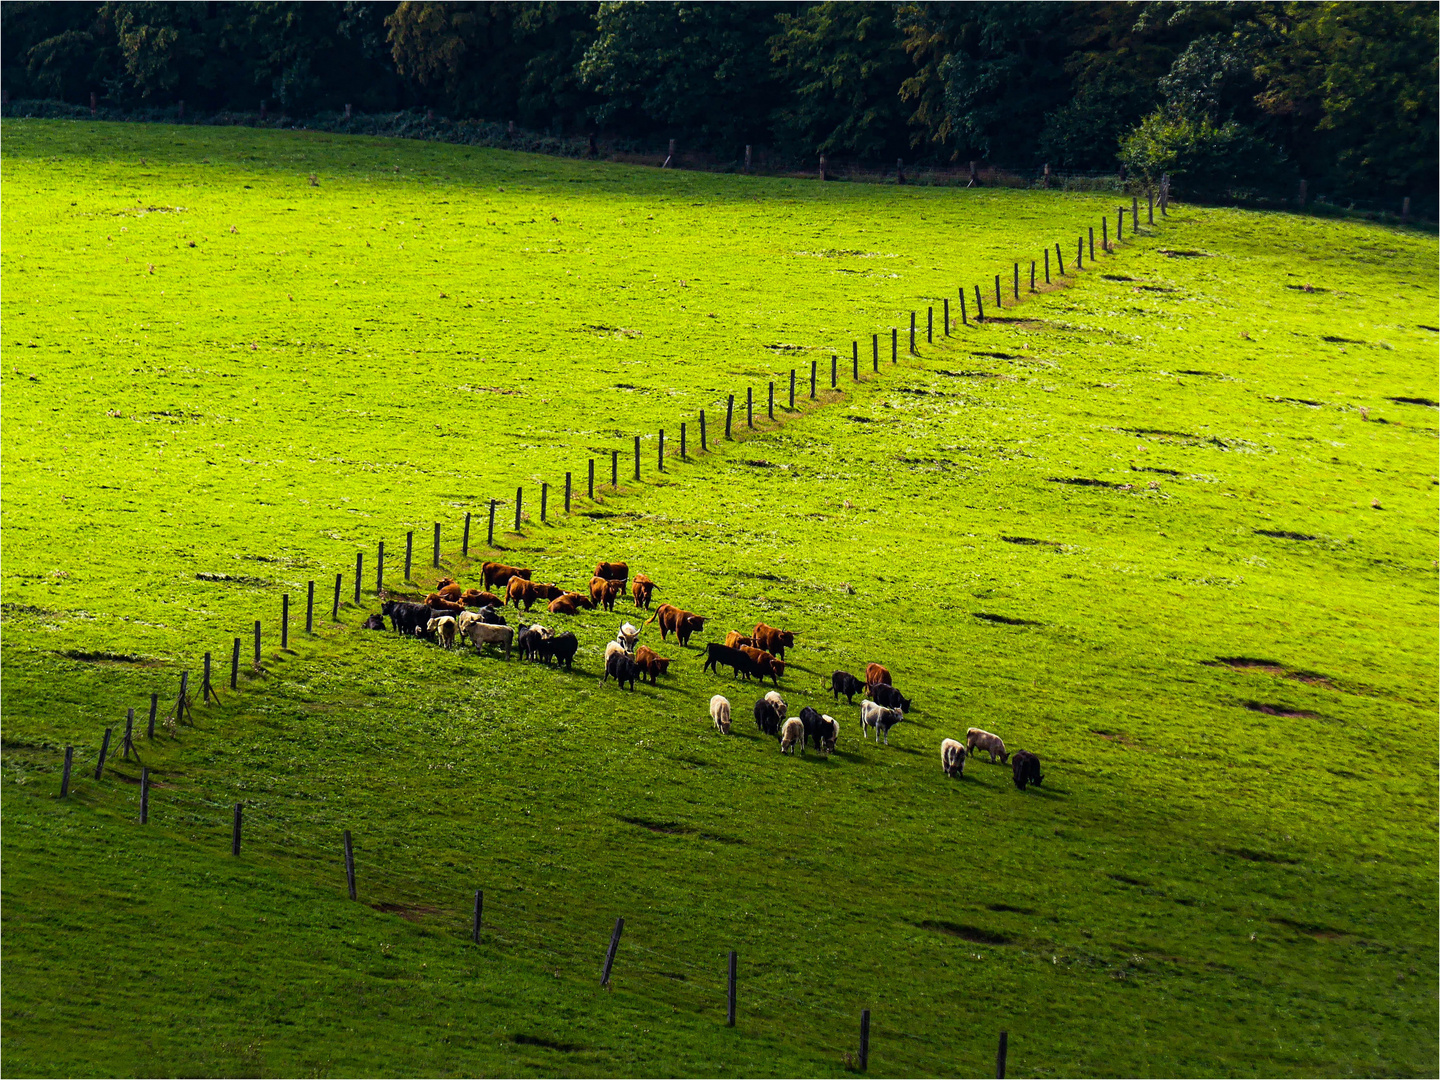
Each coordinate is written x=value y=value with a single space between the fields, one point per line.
x=548 y=592
x=734 y=639
x=476 y=598
x=436 y=602
x=499 y=574
x=604 y=591
x=518 y=591
x=569 y=604
x=651 y=663
x=642 y=589
x=765 y=664
x=612 y=571
x=772 y=640
x=673 y=619
x=875 y=674
x=449 y=590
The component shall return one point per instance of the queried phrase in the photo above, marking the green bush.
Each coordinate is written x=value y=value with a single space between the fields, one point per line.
x=1209 y=160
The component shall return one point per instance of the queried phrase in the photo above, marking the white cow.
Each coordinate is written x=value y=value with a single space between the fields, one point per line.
x=976 y=739
x=483 y=633
x=720 y=713
x=880 y=718
x=792 y=735
x=952 y=758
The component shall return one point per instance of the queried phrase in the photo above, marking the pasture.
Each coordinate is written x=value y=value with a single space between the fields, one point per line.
x=1171 y=527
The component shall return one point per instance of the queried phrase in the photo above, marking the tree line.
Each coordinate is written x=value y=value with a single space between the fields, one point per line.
x=1225 y=97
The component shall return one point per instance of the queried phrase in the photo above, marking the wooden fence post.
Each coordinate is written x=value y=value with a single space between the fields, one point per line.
x=792 y=389
x=104 y=749
x=309 y=623
x=544 y=500
x=610 y=952
x=998 y=302
x=730 y=1000
x=1080 y=253
x=479 y=911
x=1150 y=215
x=894 y=345
x=435 y=562
x=490 y=535
x=979 y=305
x=349 y=865
x=1001 y=1054
x=591 y=489
x=567 y=494
x=235 y=832
x=1119 y=224
x=206 y=691
x=614 y=470
x=182 y=699
x=1047 y=266
x=144 y=796
x=703 y=447
x=1059 y=260
x=729 y=412
x=875 y=351
x=834 y=364
x=65 y=776
x=912 y=333
x=380 y=568
x=519 y=498
x=812 y=380
x=660 y=455
x=964 y=317
x=750 y=407
x=855 y=356
x=770 y=401
x=930 y=324
x=1092 y=242
x=465 y=538
x=359 y=569
x=235 y=666
x=128 y=742
x=1134 y=212
x=864 y=1062
x=637 y=457
x=1017 y=283
x=1105 y=235
x=335 y=607
x=284 y=620
x=154 y=707
x=1032 y=275
x=257 y=646
x=409 y=554
x=682 y=441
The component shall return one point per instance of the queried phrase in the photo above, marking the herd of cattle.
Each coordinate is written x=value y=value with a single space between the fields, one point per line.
x=451 y=613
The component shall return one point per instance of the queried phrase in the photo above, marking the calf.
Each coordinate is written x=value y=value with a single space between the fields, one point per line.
x=651 y=663
x=496 y=573
x=491 y=616
x=443 y=627
x=874 y=674
x=734 y=659
x=820 y=729
x=1025 y=769
x=880 y=718
x=976 y=739
x=612 y=571
x=767 y=718
x=622 y=669
x=772 y=640
x=604 y=592
x=887 y=695
x=406 y=618
x=642 y=589
x=952 y=758
x=842 y=682
x=374 y=622
x=481 y=633
x=720 y=713
x=734 y=639
x=561 y=648
x=792 y=734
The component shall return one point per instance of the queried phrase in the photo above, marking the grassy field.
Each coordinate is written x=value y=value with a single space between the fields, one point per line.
x=1172 y=528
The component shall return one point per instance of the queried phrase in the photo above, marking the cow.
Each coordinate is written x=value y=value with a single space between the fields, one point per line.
x=611 y=648
x=976 y=739
x=952 y=758
x=519 y=590
x=767 y=718
x=443 y=627
x=642 y=589
x=734 y=639
x=481 y=633
x=764 y=664
x=491 y=616
x=874 y=673
x=677 y=621
x=496 y=573
x=880 y=718
x=628 y=636
x=884 y=694
x=569 y=603
x=738 y=663
x=772 y=640
x=775 y=699
x=842 y=682
x=820 y=729
x=374 y=622
x=651 y=663
x=447 y=588
x=436 y=602
x=720 y=713
x=605 y=592
x=1025 y=769
x=612 y=571
x=622 y=669
x=561 y=648
x=792 y=734
x=476 y=598
x=406 y=618
x=528 y=643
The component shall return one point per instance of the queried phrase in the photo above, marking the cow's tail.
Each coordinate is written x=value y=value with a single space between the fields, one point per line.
x=648 y=621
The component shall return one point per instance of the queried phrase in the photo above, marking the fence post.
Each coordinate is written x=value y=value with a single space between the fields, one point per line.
x=610 y=952
x=792 y=389
x=206 y=692
x=490 y=535
x=660 y=455
x=1165 y=194
x=730 y=1001
x=682 y=440
x=436 y=560
x=930 y=324
x=465 y=538
x=637 y=457
x=770 y=401
x=567 y=493
x=1134 y=212
x=128 y=743
x=749 y=406
x=65 y=776
x=1000 y=1055
x=1032 y=275
x=144 y=796
x=894 y=344
x=1017 y=282
x=1047 y=266
x=1080 y=253
x=1105 y=235
x=335 y=607
x=964 y=317
x=855 y=356
x=359 y=569
x=702 y=431
x=912 y=333
x=519 y=497
x=591 y=489
x=155 y=705
x=979 y=305
x=1059 y=260
x=235 y=666
x=349 y=865
x=998 y=302
x=1092 y=242
x=235 y=832
x=104 y=749
x=875 y=351
x=409 y=553
x=284 y=620
x=1120 y=224
x=544 y=500
x=309 y=623
x=812 y=380
x=834 y=361
x=614 y=469
x=479 y=910
x=864 y=1040
x=257 y=646
x=1150 y=214
x=380 y=568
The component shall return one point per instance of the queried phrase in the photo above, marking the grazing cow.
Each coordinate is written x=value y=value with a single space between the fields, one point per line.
x=481 y=633
x=622 y=669
x=642 y=589
x=952 y=758
x=772 y=640
x=734 y=639
x=880 y=718
x=884 y=694
x=519 y=590
x=720 y=713
x=611 y=649
x=374 y=622
x=612 y=571
x=628 y=636
x=792 y=734
x=406 y=618
x=976 y=739
x=651 y=663
x=491 y=616
x=443 y=627
x=561 y=648
x=829 y=735
x=875 y=674
x=842 y=682
x=1025 y=769
x=738 y=663
x=677 y=621
x=499 y=574
x=476 y=598
x=436 y=602
x=765 y=665
x=605 y=592
x=528 y=643
x=767 y=718
x=820 y=729
x=775 y=699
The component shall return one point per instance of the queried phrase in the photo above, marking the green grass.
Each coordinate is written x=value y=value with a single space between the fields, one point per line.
x=1230 y=869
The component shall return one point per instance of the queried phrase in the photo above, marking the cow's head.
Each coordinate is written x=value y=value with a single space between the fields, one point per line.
x=388 y=607
x=787 y=638
x=777 y=666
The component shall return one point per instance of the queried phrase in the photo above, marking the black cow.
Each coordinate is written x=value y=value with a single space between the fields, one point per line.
x=842 y=682
x=491 y=616
x=820 y=730
x=622 y=669
x=767 y=717
x=734 y=659
x=1025 y=768
x=528 y=643
x=406 y=618
x=561 y=648
x=374 y=622
x=887 y=695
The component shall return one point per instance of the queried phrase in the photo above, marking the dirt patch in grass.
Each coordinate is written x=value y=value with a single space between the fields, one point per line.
x=1175 y=253
x=969 y=933
x=1023 y=324
x=1295 y=401
x=970 y=374
x=1341 y=340
x=1279 y=710
x=1272 y=667
x=1284 y=534
x=1004 y=620
x=1319 y=933
x=234 y=579
x=1029 y=540
x=997 y=355
x=409 y=912
x=1119 y=737
x=1084 y=481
